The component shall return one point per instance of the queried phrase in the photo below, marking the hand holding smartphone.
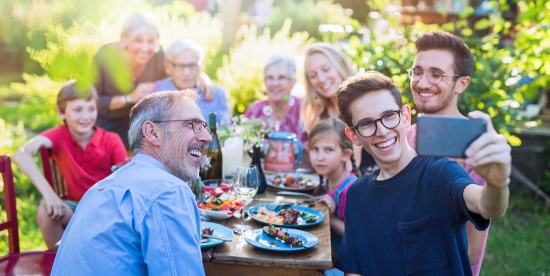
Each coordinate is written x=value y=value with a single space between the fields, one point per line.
x=445 y=136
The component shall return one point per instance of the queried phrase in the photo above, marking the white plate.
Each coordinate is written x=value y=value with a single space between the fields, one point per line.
x=220 y=215
x=314 y=181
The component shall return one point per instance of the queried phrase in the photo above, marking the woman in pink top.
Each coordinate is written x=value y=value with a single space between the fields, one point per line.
x=280 y=111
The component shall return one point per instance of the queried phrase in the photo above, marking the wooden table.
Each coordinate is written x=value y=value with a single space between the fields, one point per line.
x=240 y=258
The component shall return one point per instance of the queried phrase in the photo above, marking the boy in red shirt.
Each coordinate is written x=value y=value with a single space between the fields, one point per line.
x=83 y=152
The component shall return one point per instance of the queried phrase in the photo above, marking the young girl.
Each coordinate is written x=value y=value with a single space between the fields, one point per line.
x=329 y=151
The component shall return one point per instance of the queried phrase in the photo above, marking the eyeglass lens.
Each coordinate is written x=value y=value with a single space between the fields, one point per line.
x=434 y=76
x=198 y=125
x=182 y=66
x=389 y=120
x=278 y=79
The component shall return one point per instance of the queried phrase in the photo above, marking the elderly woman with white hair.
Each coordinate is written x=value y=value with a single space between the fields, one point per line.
x=280 y=111
x=126 y=71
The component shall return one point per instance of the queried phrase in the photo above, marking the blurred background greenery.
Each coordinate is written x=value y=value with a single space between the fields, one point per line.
x=45 y=42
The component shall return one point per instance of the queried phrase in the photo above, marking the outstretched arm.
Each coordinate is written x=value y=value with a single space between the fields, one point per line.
x=491 y=158
x=24 y=159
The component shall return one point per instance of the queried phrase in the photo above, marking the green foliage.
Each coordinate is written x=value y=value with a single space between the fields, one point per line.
x=30 y=237
x=180 y=26
x=69 y=53
x=490 y=89
x=308 y=15
x=37 y=108
x=11 y=138
x=251 y=130
x=70 y=50
x=531 y=48
x=25 y=26
x=242 y=70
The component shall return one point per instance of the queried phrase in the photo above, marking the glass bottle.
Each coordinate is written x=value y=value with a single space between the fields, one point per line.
x=256 y=160
x=213 y=167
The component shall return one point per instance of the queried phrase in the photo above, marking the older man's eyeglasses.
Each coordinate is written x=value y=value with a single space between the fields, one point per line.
x=182 y=66
x=389 y=120
x=434 y=76
x=271 y=79
x=196 y=124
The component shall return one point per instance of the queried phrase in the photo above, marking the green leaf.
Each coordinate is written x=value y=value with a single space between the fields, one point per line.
x=482 y=24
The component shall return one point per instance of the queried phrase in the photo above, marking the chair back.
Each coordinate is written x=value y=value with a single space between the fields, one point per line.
x=51 y=172
x=9 y=205
x=17 y=262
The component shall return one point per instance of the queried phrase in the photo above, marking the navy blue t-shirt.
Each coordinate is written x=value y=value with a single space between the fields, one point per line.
x=412 y=223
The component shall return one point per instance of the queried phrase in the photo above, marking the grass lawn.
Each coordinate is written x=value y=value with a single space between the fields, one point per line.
x=519 y=243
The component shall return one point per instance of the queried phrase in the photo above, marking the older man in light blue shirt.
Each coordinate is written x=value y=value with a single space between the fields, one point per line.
x=142 y=219
x=184 y=60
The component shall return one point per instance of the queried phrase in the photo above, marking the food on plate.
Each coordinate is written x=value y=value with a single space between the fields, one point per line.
x=287 y=216
x=279 y=234
x=207 y=231
x=292 y=181
x=228 y=205
x=290 y=216
x=216 y=190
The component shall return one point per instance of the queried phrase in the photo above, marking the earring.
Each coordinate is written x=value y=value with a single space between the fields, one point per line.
x=156 y=136
x=315 y=96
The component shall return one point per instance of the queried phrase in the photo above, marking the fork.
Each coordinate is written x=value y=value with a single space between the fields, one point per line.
x=299 y=194
x=219 y=238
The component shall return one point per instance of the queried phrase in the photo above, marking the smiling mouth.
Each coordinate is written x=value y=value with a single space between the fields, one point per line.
x=386 y=144
x=424 y=94
x=196 y=153
x=326 y=86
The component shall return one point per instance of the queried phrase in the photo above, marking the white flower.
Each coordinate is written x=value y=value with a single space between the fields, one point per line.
x=205 y=162
x=267 y=110
x=291 y=102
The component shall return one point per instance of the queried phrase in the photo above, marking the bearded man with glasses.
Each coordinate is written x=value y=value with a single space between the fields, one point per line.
x=143 y=219
x=409 y=216
x=442 y=71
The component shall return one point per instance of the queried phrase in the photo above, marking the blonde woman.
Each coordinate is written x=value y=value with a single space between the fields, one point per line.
x=326 y=67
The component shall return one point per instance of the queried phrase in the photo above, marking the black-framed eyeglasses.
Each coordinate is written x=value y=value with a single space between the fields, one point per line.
x=434 y=76
x=368 y=128
x=196 y=124
x=182 y=66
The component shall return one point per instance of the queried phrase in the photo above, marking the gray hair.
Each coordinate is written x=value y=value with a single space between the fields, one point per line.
x=154 y=107
x=284 y=60
x=138 y=24
x=179 y=46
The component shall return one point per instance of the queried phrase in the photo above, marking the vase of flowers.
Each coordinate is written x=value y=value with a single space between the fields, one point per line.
x=252 y=132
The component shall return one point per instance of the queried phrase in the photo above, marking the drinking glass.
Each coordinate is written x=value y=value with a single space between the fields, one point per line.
x=245 y=187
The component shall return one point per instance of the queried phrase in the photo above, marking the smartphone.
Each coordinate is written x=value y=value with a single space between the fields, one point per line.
x=446 y=136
